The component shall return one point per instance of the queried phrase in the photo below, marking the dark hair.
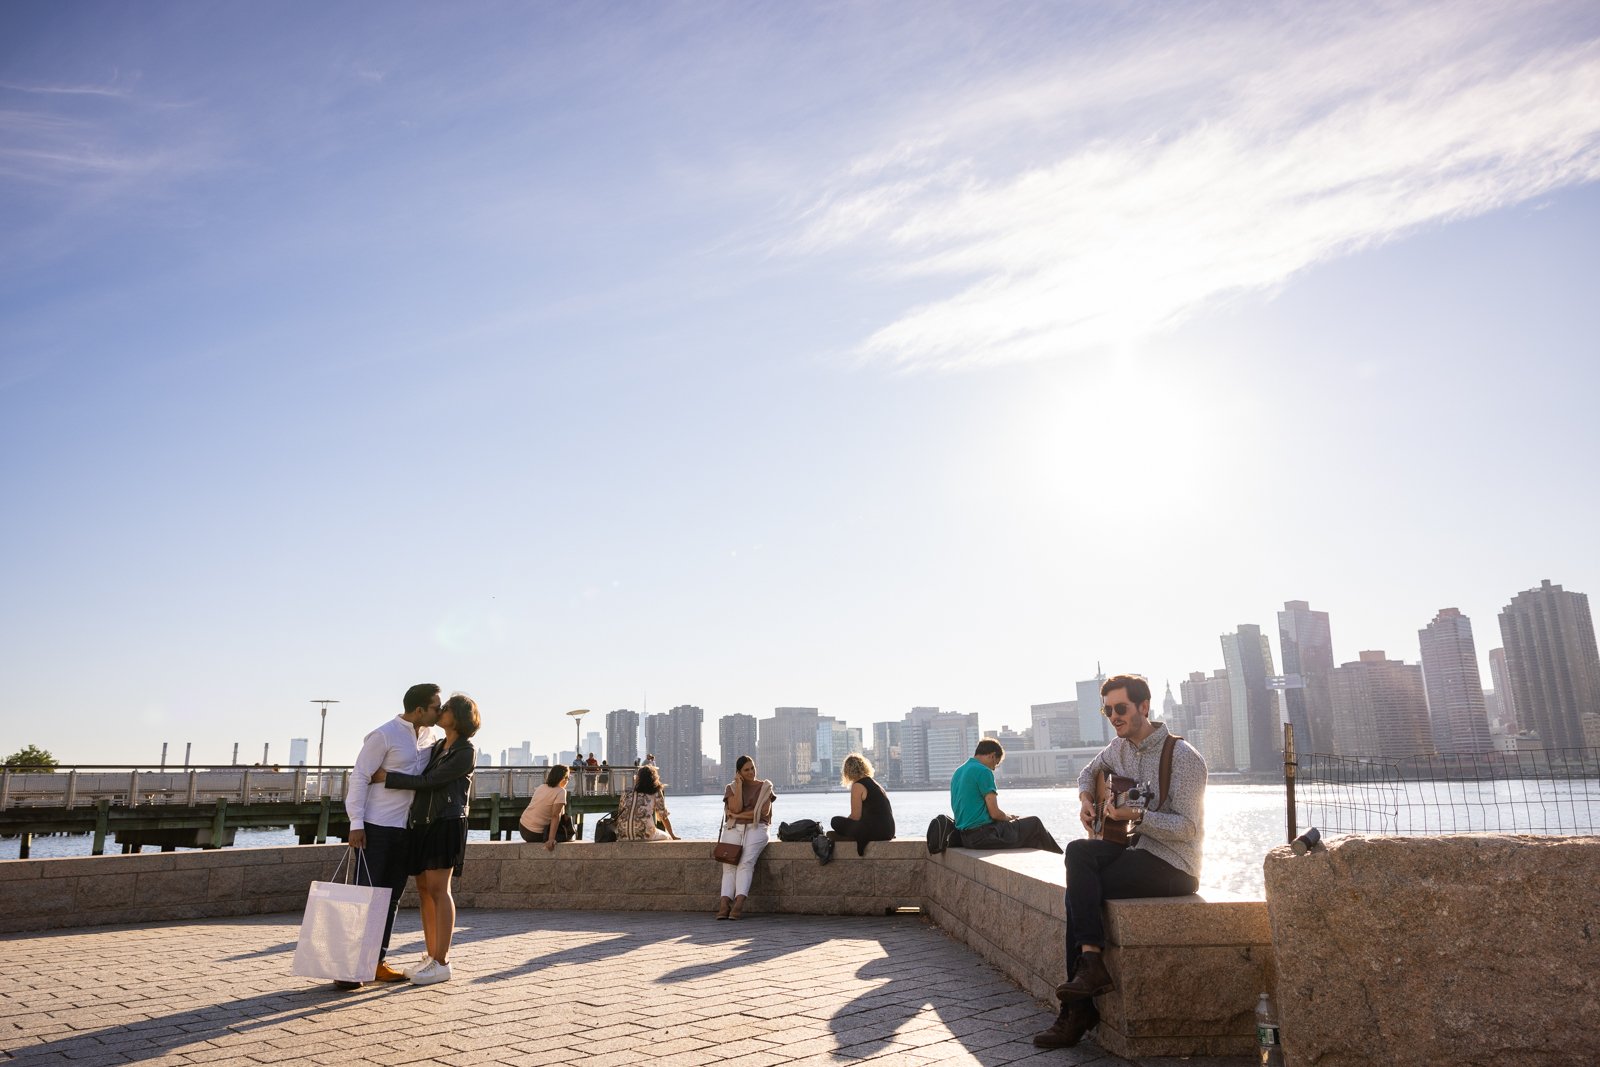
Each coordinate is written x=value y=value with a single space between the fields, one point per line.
x=556 y=775
x=1138 y=689
x=989 y=747
x=646 y=781
x=464 y=710
x=419 y=696
x=738 y=764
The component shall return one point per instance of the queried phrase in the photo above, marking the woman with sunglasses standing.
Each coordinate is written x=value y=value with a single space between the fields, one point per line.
x=438 y=824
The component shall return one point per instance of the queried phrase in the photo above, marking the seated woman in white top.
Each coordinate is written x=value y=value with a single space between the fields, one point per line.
x=639 y=808
x=542 y=818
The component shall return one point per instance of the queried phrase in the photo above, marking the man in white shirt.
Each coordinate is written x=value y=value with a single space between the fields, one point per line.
x=378 y=815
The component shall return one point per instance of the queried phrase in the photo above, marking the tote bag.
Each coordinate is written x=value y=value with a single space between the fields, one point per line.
x=342 y=931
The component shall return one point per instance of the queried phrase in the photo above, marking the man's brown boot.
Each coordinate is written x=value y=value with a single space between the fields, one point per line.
x=387 y=973
x=1076 y=1019
x=1092 y=979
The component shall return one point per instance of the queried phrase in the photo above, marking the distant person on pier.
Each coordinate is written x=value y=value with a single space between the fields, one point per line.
x=378 y=815
x=438 y=821
x=1162 y=798
x=975 y=803
x=641 y=807
x=593 y=766
x=746 y=820
x=545 y=819
x=871 y=818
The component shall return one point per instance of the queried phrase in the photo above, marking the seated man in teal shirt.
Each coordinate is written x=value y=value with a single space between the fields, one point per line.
x=974 y=802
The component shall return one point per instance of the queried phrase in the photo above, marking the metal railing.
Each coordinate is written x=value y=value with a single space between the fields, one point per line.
x=1540 y=791
x=139 y=785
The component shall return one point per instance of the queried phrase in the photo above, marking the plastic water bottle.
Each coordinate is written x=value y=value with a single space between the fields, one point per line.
x=1268 y=1036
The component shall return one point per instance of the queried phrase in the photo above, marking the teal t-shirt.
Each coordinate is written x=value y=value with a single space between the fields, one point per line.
x=968 y=786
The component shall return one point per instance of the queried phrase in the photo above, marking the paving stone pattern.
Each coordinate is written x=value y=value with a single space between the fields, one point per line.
x=604 y=989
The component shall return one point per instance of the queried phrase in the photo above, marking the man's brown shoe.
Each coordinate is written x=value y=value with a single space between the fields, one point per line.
x=1092 y=979
x=387 y=973
x=1075 y=1020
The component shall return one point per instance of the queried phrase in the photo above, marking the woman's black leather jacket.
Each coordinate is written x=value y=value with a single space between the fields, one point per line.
x=444 y=788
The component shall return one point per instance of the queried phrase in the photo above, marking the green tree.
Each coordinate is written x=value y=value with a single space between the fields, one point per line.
x=31 y=756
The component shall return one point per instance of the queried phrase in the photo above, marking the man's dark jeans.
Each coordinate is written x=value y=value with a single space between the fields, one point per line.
x=1020 y=833
x=387 y=860
x=1098 y=871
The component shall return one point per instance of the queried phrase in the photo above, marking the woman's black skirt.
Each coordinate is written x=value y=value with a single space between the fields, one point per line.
x=441 y=845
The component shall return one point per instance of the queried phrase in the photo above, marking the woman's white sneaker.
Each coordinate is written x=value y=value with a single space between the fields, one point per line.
x=412 y=968
x=432 y=973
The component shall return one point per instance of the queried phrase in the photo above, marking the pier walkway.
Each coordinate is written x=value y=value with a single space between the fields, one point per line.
x=602 y=989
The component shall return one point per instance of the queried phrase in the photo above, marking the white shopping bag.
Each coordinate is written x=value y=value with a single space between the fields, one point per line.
x=342 y=932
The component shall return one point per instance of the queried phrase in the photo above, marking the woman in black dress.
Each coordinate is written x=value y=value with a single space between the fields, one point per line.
x=438 y=824
x=871 y=818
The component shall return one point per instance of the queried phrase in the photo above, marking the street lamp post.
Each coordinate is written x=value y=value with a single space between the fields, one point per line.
x=322 y=736
x=577 y=734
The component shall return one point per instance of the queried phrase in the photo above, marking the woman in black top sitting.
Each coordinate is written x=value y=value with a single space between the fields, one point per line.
x=871 y=818
x=438 y=825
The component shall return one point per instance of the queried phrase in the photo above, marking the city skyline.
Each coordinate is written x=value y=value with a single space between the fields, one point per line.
x=743 y=356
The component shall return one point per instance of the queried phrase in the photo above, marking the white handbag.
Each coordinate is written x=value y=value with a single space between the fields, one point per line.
x=342 y=932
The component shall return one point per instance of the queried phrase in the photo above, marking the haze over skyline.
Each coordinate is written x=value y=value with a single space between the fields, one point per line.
x=855 y=357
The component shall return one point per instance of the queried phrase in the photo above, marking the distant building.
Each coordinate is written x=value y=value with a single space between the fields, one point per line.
x=1011 y=740
x=592 y=743
x=1500 y=675
x=1553 y=662
x=886 y=751
x=485 y=758
x=622 y=737
x=934 y=743
x=1257 y=730
x=1455 y=693
x=1054 y=766
x=1055 y=725
x=736 y=736
x=833 y=745
x=297 y=751
x=787 y=746
x=522 y=756
x=1306 y=640
x=1208 y=704
x=1380 y=708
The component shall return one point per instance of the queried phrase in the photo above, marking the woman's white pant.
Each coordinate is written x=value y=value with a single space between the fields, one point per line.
x=736 y=878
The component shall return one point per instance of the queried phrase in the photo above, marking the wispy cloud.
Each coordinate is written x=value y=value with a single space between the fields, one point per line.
x=1070 y=213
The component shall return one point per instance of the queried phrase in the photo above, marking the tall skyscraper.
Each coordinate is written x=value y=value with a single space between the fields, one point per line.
x=1257 y=734
x=1500 y=675
x=1380 y=708
x=674 y=738
x=521 y=756
x=592 y=742
x=1306 y=641
x=951 y=737
x=1554 y=666
x=787 y=746
x=1455 y=692
x=297 y=751
x=1093 y=727
x=622 y=737
x=736 y=736
x=833 y=745
x=1055 y=725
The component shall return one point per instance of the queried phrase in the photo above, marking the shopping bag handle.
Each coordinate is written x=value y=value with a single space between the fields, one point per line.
x=354 y=874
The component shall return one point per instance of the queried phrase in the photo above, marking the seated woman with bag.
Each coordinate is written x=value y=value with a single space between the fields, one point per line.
x=871 y=817
x=639 y=807
x=548 y=810
x=746 y=817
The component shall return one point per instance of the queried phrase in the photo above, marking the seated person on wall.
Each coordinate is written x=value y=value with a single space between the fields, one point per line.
x=871 y=818
x=639 y=809
x=1162 y=860
x=545 y=819
x=974 y=801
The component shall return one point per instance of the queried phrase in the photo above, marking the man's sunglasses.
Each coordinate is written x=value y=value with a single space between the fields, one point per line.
x=1116 y=709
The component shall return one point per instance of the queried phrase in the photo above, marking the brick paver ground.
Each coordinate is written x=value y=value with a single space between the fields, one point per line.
x=529 y=988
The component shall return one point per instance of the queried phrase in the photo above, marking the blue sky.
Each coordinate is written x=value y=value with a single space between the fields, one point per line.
x=850 y=356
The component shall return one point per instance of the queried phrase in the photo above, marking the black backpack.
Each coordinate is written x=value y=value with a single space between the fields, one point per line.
x=942 y=834
x=606 y=829
x=799 y=830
